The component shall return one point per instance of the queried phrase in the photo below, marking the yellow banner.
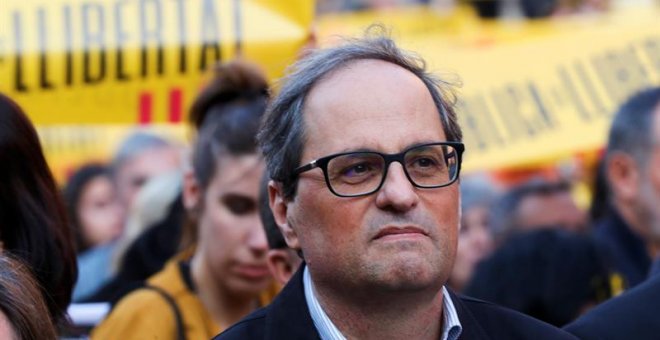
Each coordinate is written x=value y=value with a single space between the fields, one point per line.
x=532 y=92
x=135 y=61
x=89 y=72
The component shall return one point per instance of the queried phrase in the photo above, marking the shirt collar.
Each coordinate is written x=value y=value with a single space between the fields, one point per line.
x=451 y=327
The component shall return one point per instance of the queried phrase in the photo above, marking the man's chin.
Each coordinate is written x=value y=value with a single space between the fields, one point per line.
x=410 y=272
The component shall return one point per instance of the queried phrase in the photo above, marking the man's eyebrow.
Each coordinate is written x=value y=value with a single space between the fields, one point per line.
x=416 y=144
x=357 y=150
x=412 y=145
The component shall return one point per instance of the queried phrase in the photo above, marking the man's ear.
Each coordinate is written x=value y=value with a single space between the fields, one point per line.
x=282 y=265
x=191 y=191
x=623 y=176
x=279 y=206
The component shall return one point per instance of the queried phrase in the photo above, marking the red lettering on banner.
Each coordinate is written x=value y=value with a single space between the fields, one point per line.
x=175 y=105
x=145 y=108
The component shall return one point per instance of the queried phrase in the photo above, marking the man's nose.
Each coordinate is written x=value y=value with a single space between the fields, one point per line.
x=397 y=193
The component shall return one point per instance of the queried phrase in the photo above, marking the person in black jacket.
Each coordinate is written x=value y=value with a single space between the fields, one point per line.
x=632 y=315
x=632 y=164
x=551 y=274
x=628 y=230
x=364 y=153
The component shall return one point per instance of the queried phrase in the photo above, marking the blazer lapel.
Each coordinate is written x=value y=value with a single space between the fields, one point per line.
x=288 y=315
x=470 y=326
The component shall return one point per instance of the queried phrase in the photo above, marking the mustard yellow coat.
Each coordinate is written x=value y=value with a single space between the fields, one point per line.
x=144 y=314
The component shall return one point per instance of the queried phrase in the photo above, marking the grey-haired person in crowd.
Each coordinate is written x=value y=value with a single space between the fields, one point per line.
x=630 y=232
x=364 y=152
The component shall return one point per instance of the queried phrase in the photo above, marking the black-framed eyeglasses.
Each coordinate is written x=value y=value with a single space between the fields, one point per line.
x=361 y=173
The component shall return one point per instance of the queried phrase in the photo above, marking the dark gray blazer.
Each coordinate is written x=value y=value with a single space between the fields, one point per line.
x=287 y=317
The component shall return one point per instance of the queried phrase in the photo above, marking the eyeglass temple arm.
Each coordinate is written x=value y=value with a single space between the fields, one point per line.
x=309 y=166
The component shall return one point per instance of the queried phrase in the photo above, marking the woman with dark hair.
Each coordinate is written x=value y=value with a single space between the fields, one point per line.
x=23 y=312
x=96 y=218
x=234 y=84
x=94 y=212
x=33 y=225
x=222 y=275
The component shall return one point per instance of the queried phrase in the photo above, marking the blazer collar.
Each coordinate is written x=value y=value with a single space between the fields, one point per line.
x=288 y=317
x=470 y=325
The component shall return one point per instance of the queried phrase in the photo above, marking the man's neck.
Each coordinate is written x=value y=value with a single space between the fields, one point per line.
x=383 y=315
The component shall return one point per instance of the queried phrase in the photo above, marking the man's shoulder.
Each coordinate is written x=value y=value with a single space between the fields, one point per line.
x=626 y=316
x=500 y=322
x=250 y=327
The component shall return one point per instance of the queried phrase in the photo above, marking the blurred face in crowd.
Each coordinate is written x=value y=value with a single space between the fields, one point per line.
x=135 y=172
x=99 y=212
x=475 y=242
x=231 y=238
x=398 y=238
x=649 y=196
x=552 y=209
x=283 y=263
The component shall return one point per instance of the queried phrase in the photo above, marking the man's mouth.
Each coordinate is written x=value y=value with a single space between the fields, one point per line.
x=400 y=232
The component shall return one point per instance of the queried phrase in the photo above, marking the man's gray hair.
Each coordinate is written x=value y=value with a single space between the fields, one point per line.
x=632 y=127
x=282 y=132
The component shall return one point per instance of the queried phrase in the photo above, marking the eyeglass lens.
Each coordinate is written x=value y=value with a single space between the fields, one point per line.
x=362 y=172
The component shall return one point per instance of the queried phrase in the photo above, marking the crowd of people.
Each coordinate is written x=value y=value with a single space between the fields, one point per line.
x=333 y=209
x=488 y=9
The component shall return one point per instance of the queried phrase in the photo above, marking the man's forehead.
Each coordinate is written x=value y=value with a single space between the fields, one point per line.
x=369 y=95
x=365 y=70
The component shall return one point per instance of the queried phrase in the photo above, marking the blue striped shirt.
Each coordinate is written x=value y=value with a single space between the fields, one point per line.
x=451 y=327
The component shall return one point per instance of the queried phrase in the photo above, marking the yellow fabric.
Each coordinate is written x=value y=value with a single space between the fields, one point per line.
x=144 y=314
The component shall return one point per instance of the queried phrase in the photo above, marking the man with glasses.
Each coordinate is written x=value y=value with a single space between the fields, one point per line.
x=364 y=153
